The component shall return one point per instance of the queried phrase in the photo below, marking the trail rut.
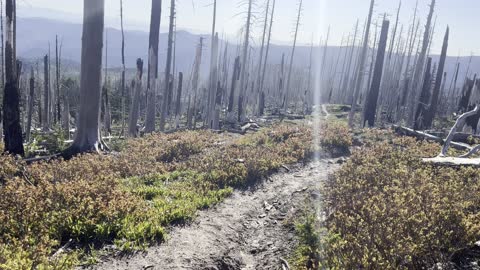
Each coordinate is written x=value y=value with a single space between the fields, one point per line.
x=249 y=230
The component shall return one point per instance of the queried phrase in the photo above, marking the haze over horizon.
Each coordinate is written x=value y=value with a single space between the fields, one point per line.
x=195 y=17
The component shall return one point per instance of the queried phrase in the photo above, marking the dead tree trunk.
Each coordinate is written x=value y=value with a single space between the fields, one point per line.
x=31 y=99
x=152 y=73
x=46 y=95
x=235 y=78
x=262 y=80
x=260 y=60
x=292 y=56
x=12 y=130
x=178 y=103
x=57 y=82
x=361 y=67
x=413 y=100
x=164 y=108
x=430 y=115
x=210 y=110
x=192 y=114
x=424 y=97
x=134 y=110
x=87 y=137
x=123 y=71
x=372 y=97
x=243 y=73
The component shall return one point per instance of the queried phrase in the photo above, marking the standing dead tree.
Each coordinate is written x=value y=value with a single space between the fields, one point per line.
x=178 y=102
x=292 y=55
x=424 y=97
x=135 y=108
x=122 y=83
x=12 y=130
x=46 y=95
x=261 y=95
x=416 y=82
x=152 y=73
x=361 y=66
x=31 y=100
x=192 y=113
x=262 y=80
x=432 y=110
x=372 y=97
x=243 y=73
x=168 y=66
x=87 y=137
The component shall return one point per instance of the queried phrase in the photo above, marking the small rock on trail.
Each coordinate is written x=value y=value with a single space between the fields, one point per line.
x=249 y=230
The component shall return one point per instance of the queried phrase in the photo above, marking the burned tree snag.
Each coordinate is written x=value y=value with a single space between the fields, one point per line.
x=87 y=137
x=46 y=95
x=424 y=97
x=31 y=99
x=178 y=103
x=134 y=110
x=432 y=110
x=152 y=73
x=372 y=97
x=168 y=66
x=361 y=66
x=12 y=130
x=417 y=81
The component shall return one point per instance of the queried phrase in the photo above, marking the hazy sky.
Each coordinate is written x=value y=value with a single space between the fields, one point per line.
x=195 y=15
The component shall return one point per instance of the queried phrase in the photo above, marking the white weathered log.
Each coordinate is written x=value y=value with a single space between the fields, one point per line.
x=453 y=161
x=429 y=137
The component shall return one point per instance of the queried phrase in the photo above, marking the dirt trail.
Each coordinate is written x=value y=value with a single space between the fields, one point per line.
x=249 y=230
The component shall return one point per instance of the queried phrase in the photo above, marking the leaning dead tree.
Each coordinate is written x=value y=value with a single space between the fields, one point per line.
x=12 y=130
x=87 y=137
x=152 y=73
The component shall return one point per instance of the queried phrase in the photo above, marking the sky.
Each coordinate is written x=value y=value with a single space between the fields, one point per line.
x=317 y=16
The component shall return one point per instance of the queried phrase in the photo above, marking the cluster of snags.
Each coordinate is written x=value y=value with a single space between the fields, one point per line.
x=129 y=198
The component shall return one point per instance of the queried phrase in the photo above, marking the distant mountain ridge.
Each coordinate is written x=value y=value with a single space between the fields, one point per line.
x=35 y=34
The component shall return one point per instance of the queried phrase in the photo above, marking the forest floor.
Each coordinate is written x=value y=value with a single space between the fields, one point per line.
x=252 y=229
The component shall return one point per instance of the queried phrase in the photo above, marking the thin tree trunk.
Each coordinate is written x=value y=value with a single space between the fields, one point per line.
x=361 y=67
x=413 y=101
x=178 y=103
x=243 y=72
x=430 y=115
x=292 y=56
x=31 y=98
x=46 y=95
x=164 y=108
x=123 y=72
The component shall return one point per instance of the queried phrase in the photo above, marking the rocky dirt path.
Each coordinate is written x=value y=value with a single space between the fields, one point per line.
x=249 y=230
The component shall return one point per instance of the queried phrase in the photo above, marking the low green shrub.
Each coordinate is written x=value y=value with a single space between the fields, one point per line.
x=388 y=210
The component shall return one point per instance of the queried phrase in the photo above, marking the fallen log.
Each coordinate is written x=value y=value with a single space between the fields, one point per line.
x=422 y=135
x=453 y=161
